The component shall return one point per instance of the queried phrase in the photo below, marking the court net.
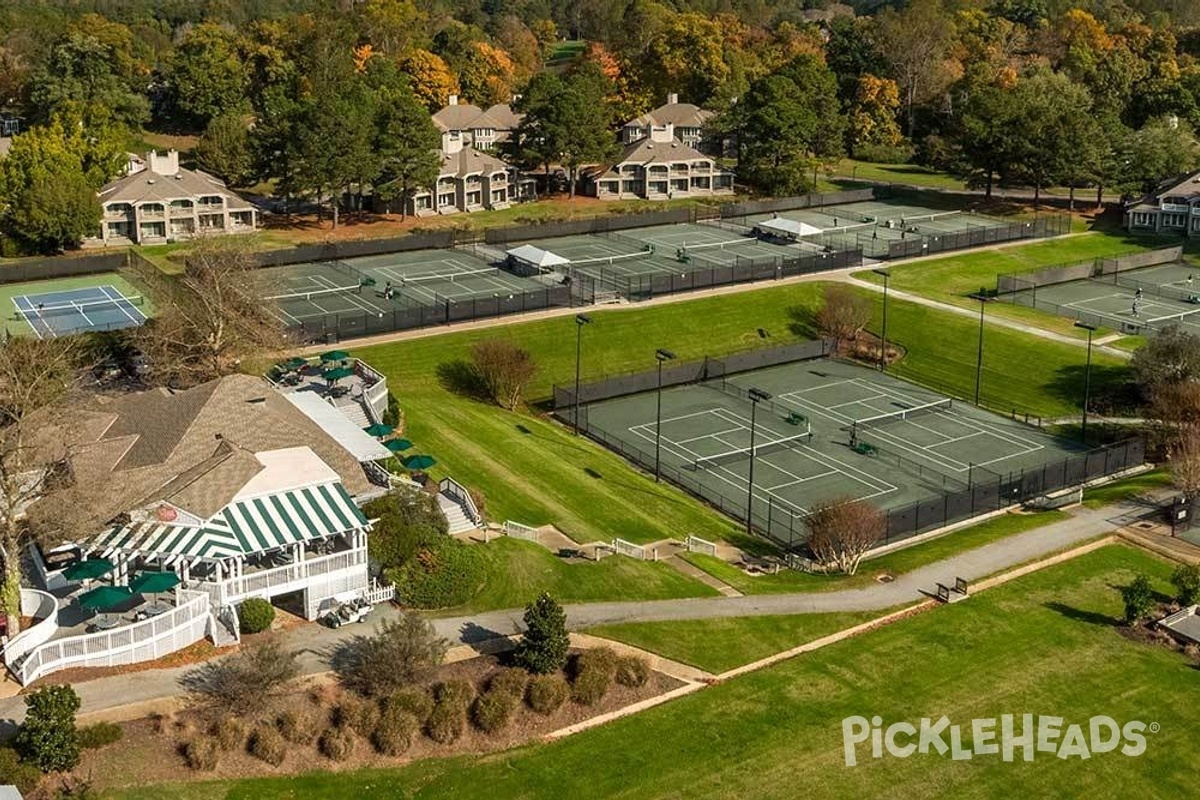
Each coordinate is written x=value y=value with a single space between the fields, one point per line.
x=1169 y=318
x=843 y=229
x=880 y=420
x=1185 y=293
x=315 y=293
x=448 y=277
x=78 y=307
x=608 y=260
x=629 y=240
x=907 y=220
x=746 y=453
x=354 y=272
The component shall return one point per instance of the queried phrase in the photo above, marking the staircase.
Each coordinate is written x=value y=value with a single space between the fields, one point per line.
x=458 y=519
x=355 y=411
x=225 y=629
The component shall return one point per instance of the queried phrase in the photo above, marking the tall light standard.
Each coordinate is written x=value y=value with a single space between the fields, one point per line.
x=661 y=355
x=580 y=321
x=982 y=298
x=756 y=396
x=883 y=345
x=1087 y=379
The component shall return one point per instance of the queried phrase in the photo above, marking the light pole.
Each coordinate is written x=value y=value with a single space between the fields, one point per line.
x=883 y=345
x=661 y=355
x=755 y=395
x=580 y=321
x=1087 y=379
x=982 y=298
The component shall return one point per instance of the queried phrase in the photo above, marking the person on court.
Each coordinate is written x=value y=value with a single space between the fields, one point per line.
x=1137 y=303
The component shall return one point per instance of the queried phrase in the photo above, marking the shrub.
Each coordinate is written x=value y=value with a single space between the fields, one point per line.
x=229 y=732
x=593 y=673
x=298 y=727
x=633 y=671
x=547 y=693
x=255 y=615
x=395 y=732
x=444 y=572
x=13 y=772
x=336 y=744
x=244 y=682
x=406 y=522
x=543 y=646
x=402 y=652
x=503 y=369
x=456 y=693
x=202 y=753
x=391 y=416
x=267 y=744
x=511 y=681
x=99 y=735
x=1186 y=580
x=357 y=714
x=446 y=723
x=417 y=702
x=1138 y=597
x=47 y=738
x=493 y=709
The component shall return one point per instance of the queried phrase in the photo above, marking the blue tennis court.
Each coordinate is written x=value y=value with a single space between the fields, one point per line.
x=96 y=308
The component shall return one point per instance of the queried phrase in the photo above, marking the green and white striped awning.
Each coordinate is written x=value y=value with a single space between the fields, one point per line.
x=247 y=526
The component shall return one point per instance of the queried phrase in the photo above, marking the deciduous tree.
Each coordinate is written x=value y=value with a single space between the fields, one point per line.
x=916 y=42
x=873 y=113
x=686 y=55
x=402 y=652
x=504 y=369
x=843 y=314
x=243 y=683
x=841 y=531
x=430 y=78
x=206 y=75
x=225 y=150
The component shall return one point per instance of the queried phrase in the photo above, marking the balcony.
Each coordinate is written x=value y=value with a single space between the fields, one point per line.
x=279 y=580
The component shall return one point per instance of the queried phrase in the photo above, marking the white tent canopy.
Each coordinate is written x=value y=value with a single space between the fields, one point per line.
x=537 y=257
x=787 y=228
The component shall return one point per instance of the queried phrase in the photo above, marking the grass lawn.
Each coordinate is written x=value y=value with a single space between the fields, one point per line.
x=520 y=571
x=911 y=174
x=894 y=563
x=1124 y=489
x=534 y=471
x=717 y=645
x=1046 y=644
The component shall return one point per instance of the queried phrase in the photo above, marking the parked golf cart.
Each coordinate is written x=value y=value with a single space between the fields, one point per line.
x=355 y=610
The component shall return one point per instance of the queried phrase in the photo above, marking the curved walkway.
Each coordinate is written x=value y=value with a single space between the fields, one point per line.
x=314 y=641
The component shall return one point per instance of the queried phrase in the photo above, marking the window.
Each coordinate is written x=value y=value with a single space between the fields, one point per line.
x=611 y=187
x=656 y=187
x=152 y=209
x=446 y=199
x=498 y=196
x=484 y=133
x=119 y=208
x=473 y=198
x=422 y=201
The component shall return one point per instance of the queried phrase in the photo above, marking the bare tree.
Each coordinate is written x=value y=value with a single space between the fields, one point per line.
x=916 y=42
x=504 y=369
x=242 y=683
x=209 y=317
x=1183 y=456
x=38 y=380
x=402 y=652
x=843 y=314
x=840 y=532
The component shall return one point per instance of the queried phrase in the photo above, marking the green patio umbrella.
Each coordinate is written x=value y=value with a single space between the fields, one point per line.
x=418 y=462
x=293 y=363
x=154 y=582
x=378 y=429
x=337 y=373
x=335 y=355
x=88 y=570
x=398 y=445
x=103 y=598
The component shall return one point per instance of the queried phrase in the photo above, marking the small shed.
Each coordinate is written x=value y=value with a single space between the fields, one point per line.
x=535 y=258
x=782 y=228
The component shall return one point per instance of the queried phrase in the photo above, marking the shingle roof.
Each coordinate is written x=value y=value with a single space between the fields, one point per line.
x=186 y=184
x=681 y=115
x=470 y=161
x=465 y=117
x=647 y=151
x=194 y=449
x=503 y=116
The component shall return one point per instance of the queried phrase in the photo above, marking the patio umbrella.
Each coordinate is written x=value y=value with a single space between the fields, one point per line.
x=296 y=362
x=378 y=429
x=154 y=582
x=337 y=373
x=103 y=598
x=335 y=355
x=398 y=445
x=418 y=462
x=88 y=570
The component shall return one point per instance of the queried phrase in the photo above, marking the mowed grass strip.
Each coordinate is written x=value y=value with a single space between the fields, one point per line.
x=519 y=571
x=1046 y=644
x=717 y=645
x=534 y=471
x=787 y=581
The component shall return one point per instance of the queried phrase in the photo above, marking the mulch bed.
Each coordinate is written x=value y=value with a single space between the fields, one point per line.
x=151 y=749
x=192 y=654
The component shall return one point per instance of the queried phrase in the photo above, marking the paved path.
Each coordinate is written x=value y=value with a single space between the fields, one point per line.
x=314 y=642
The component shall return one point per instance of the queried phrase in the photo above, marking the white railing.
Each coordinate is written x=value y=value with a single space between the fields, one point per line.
x=147 y=640
x=519 y=531
x=39 y=605
x=458 y=493
x=270 y=582
x=628 y=548
x=380 y=593
x=375 y=390
x=697 y=545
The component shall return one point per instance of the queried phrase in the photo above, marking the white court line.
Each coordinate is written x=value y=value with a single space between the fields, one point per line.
x=79 y=310
x=118 y=300
x=25 y=315
x=967 y=422
x=353 y=299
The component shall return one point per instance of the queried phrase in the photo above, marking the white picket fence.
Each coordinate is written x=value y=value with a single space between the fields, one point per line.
x=695 y=544
x=519 y=531
x=627 y=548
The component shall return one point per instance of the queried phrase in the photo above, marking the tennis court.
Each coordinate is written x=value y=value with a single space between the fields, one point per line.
x=1165 y=295
x=379 y=285
x=60 y=313
x=830 y=430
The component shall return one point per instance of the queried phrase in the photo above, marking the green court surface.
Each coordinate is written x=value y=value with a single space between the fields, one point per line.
x=360 y=285
x=1134 y=301
x=11 y=295
x=873 y=437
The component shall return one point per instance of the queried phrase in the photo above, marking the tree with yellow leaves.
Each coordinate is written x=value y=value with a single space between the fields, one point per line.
x=873 y=115
x=429 y=78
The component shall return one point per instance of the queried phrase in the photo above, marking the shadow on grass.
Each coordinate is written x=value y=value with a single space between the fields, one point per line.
x=1113 y=391
x=1080 y=615
x=461 y=378
x=803 y=322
